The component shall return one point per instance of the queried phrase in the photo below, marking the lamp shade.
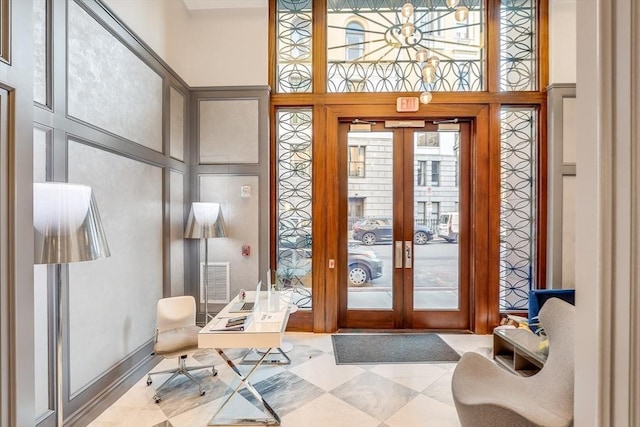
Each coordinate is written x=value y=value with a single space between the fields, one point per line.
x=67 y=226
x=205 y=221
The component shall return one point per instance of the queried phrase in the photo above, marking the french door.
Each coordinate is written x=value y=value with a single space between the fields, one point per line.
x=404 y=219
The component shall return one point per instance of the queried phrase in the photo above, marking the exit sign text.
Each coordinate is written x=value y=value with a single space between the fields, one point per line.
x=407 y=104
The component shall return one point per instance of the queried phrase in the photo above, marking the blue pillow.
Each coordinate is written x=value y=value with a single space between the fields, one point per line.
x=537 y=298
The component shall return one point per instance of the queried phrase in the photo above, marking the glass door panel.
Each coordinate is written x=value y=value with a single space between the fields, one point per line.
x=435 y=220
x=369 y=220
x=404 y=260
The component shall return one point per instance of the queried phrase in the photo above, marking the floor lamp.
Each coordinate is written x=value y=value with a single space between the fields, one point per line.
x=205 y=221
x=67 y=228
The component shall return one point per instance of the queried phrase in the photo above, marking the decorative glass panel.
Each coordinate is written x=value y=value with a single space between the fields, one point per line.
x=517 y=207
x=293 y=46
x=294 y=174
x=427 y=47
x=518 y=45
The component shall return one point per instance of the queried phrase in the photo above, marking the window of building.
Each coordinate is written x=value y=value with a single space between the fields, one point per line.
x=435 y=173
x=357 y=161
x=428 y=139
x=355 y=209
x=354 y=41
x=435 y=214
x=422 y=173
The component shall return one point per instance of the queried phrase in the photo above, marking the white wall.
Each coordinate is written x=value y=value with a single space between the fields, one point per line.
x=562 y=41
x=163 y=25
x=219 y=47
x=607 y=228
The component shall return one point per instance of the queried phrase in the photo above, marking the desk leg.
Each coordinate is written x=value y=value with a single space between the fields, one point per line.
x=274 y=420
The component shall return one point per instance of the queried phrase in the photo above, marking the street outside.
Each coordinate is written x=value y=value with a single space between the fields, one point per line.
x=435 y=265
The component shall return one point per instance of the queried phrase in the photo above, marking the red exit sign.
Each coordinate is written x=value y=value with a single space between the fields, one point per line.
x=407 y=104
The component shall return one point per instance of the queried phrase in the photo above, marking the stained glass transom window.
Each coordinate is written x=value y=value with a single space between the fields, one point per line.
x=293 y=46
x=451 y=31
x=518 y=45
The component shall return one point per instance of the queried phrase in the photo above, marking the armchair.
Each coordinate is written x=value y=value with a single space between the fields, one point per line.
x=486 y=395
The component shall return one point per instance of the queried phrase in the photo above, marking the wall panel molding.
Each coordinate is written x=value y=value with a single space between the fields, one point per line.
x=232 y=167
x=101 y=388
x=558 y=169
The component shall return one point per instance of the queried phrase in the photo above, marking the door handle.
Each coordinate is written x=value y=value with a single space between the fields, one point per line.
x=398 y=252
x=407 y=254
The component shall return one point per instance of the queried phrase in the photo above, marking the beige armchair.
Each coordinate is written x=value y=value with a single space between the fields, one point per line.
x=177 y=336
x=488 y=395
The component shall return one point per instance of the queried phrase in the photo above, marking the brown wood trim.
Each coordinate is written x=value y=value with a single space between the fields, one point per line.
x=370 y=319
x=492 y=47
x=300 y=321
x=543 y=44
x=319 y=48
x=486 y=321
x=542 y=180
x=332 y=213
x=271 y=61
x=401 y=298
x=439 y=98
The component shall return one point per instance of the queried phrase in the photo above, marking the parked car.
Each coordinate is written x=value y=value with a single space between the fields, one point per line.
x=448 y=226
x=294 y=248
x=379 y=230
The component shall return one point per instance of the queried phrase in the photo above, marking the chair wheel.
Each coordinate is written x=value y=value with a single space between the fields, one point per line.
x=214 y=372
x=156 y=399
x=202 y=393
x=149 y=381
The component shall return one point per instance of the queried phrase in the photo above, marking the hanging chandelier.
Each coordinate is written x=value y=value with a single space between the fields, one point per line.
x=404 y=34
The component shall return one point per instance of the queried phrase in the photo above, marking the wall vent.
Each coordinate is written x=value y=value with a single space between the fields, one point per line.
x=218 y=290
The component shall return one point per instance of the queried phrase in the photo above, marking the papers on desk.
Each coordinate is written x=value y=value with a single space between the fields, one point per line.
x=232 y=325
x=277 y=316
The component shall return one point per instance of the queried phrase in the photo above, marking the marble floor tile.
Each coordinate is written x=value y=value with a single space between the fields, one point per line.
x=200 y=416
x=328 y=410
x=129 y=417
x=424 y=411
x=374 y=395
x=468 y=342
x=415 y=376
x=440 y=389
x=183 y=394
x=285 y=392
x=311 y=391
x=323 y=372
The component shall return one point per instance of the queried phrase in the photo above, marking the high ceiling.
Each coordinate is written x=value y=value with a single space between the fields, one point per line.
x=224 y=4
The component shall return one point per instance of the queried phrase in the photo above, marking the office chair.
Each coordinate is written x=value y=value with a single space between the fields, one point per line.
x=177 y=336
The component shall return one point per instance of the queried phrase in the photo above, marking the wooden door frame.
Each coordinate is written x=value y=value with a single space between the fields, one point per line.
x=484 y=211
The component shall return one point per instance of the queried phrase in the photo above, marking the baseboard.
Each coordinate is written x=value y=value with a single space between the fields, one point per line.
x=118 y=387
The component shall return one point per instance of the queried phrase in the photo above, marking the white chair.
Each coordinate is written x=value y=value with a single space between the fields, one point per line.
x=486 y=395
x=177 y=336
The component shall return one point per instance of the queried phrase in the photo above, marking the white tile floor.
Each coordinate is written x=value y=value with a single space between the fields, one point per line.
x=312 y=391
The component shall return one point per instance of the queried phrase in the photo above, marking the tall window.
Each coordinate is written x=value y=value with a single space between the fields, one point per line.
x=435 y=214
x=422 y=173
x=435 y=173
x=354 y=41
x=295 y=201
x=517 y=206
x=357 y=161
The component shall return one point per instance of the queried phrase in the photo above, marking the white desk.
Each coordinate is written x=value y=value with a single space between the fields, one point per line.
x=258 y=334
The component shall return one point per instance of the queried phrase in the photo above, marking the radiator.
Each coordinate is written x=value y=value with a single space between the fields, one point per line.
x=218 y=286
